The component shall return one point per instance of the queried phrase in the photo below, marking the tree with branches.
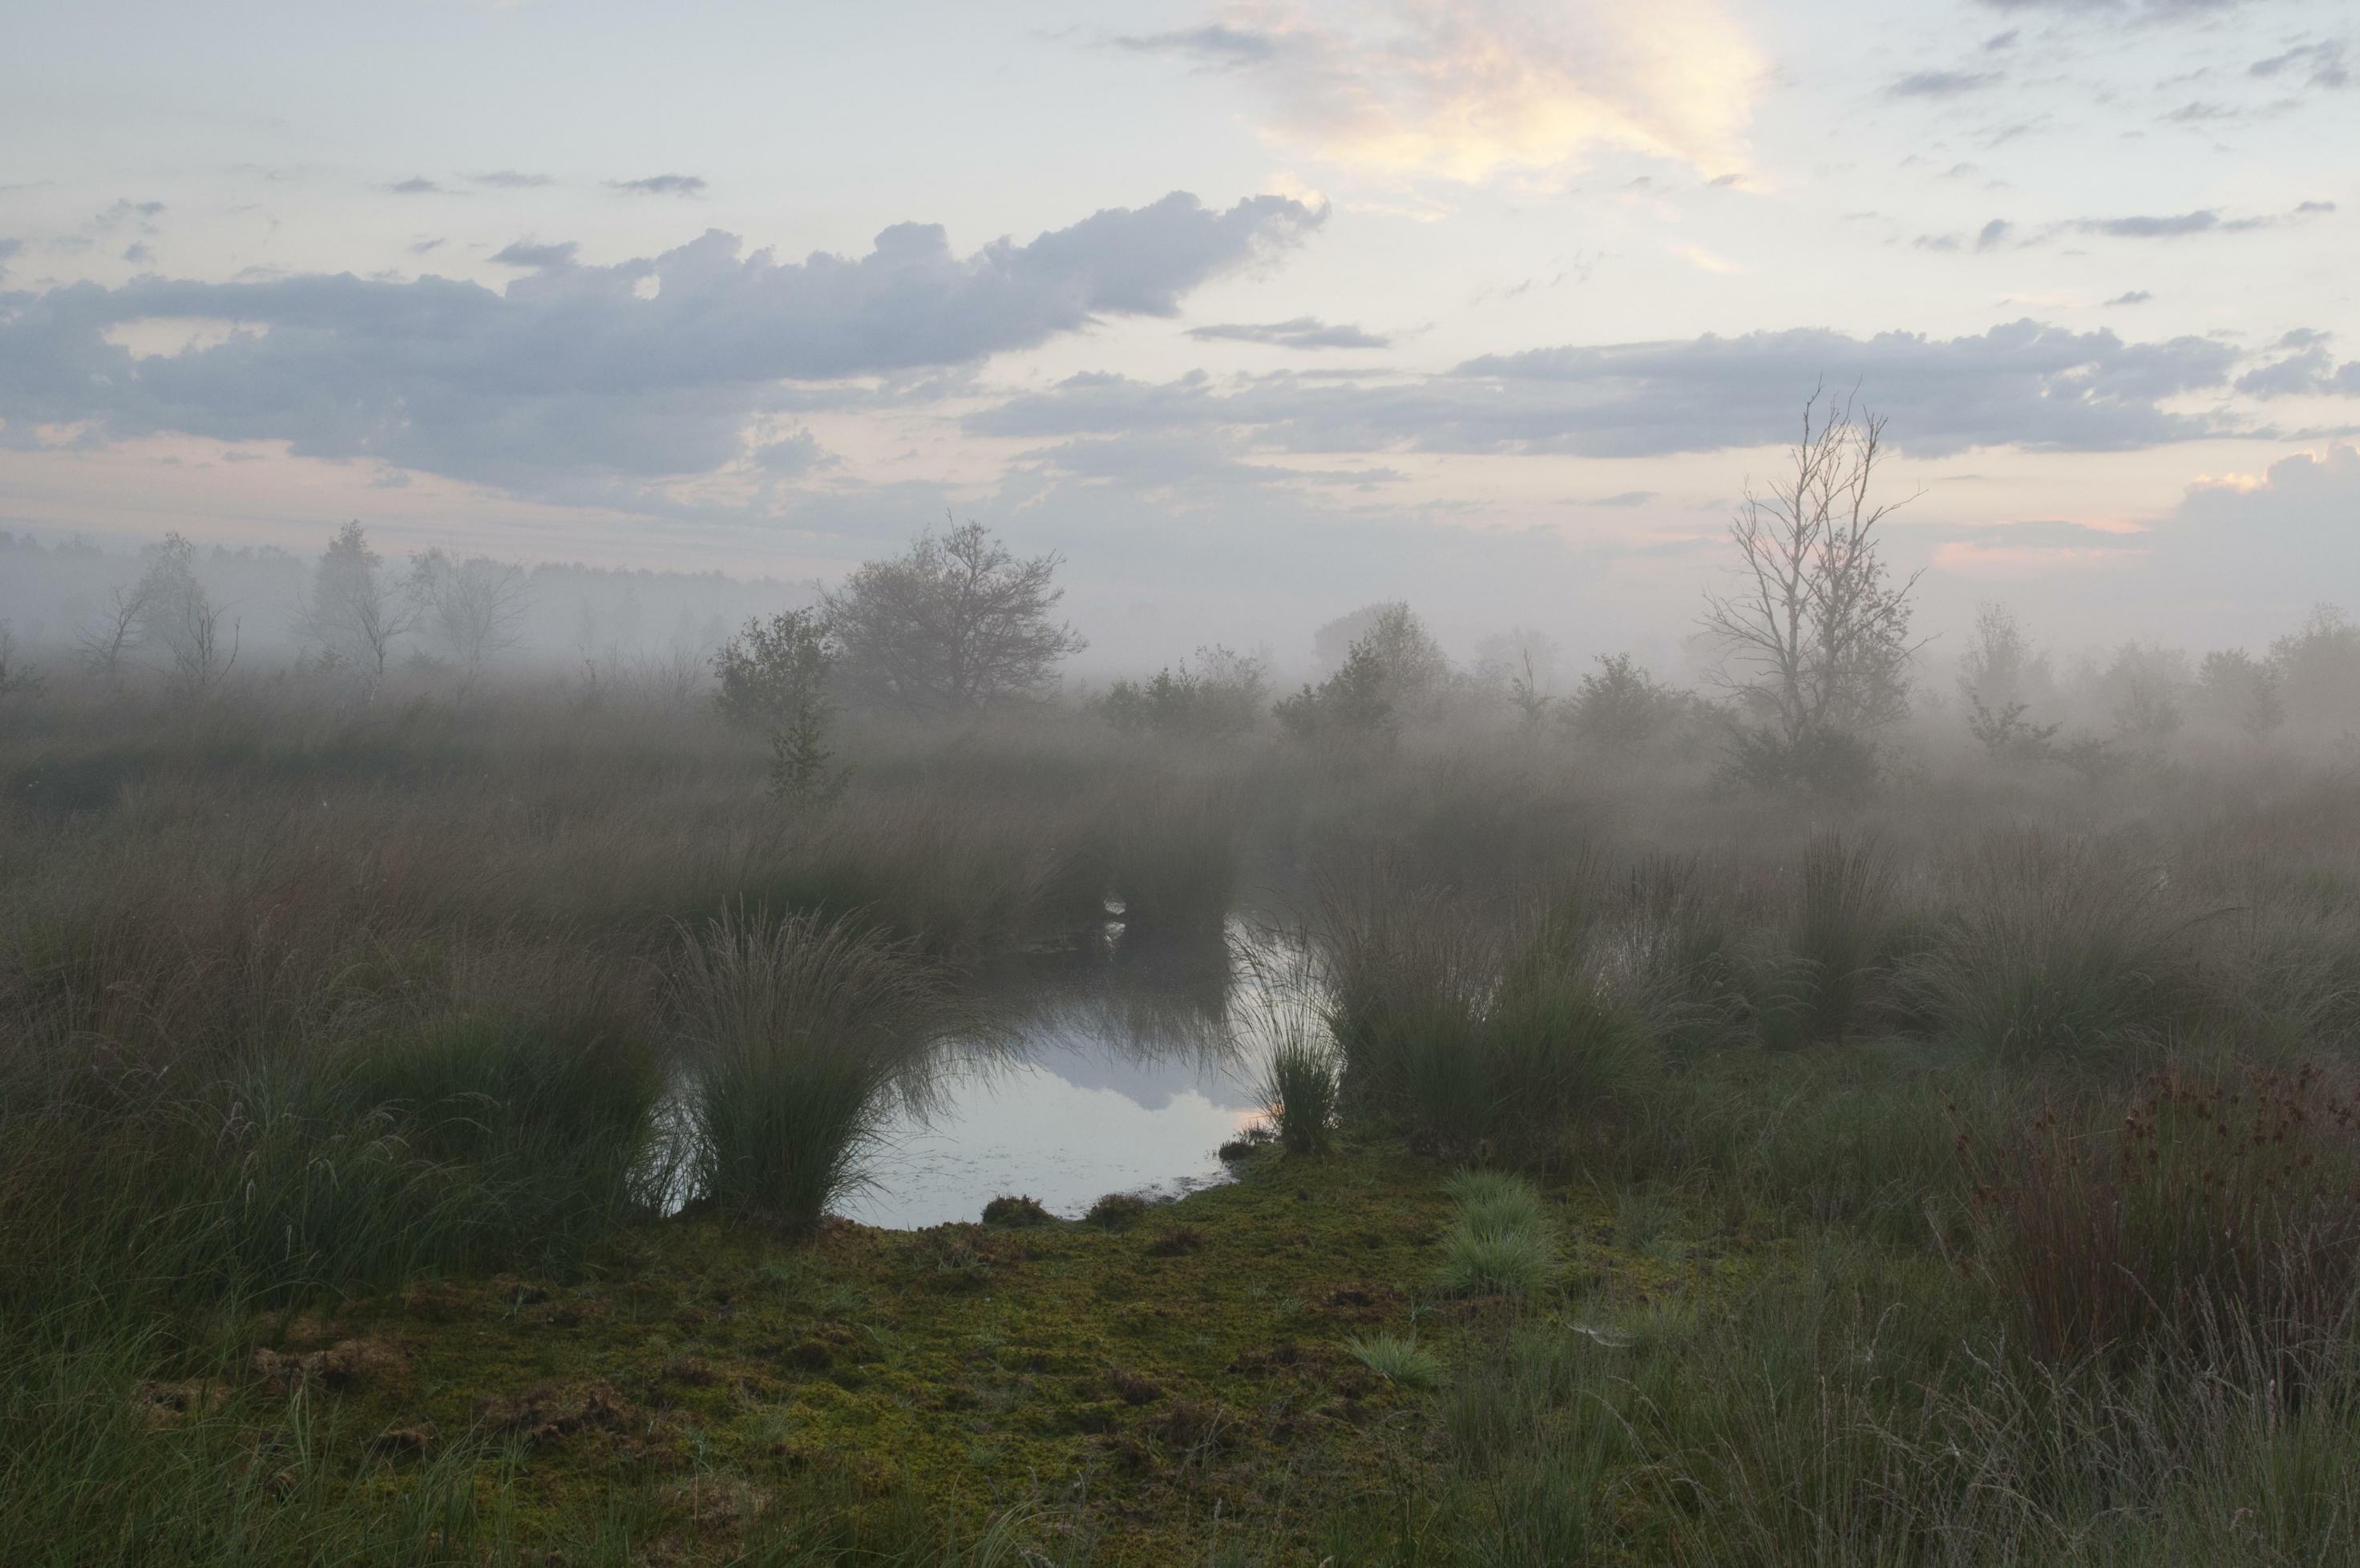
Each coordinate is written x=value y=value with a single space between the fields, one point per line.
x=953 y=625
x=467 y=612
x=354 y=619
x=1814 y=640
x=106 y=642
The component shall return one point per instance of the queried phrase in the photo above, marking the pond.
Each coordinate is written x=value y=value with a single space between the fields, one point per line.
x=1125 y=1061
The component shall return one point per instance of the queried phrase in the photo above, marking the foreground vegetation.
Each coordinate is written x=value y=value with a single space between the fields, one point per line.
x=418 y=1119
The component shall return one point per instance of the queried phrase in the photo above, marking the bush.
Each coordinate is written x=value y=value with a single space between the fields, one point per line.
x=2056 y=946
x=1299 y=1089
x=1397 y=1358
x=1221 y=697
x=1499 y=1246
x=2215 y=1204
x=1016 y=1214
x=1477 y=1031
x=802 y=1034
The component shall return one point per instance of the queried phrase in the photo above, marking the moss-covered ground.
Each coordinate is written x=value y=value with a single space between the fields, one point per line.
x=1139 y=1392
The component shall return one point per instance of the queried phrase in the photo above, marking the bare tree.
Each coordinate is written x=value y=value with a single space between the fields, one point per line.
x=1814 y=640
x=107 y=644
x=16 y=674
x=352 y=619
x=202 y=655
x=177 y=617
x=956 y=624
x=469 y=611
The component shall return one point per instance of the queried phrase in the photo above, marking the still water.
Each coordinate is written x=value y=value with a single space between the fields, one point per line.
x=1123 y=1062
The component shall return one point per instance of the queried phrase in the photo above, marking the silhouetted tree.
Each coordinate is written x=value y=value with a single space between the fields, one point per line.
x=955 y=625
x=354 y=619
x=468 y=612
x=1814 y=642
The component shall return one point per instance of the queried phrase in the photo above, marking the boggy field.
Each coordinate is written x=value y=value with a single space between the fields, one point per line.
x=420 y=1128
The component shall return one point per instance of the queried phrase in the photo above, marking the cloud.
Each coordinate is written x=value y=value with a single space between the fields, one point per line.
x=512 y=180
x=9 y=251
x=581 y=374
x=1303 y=331
x=138 y=253
x=2308 y=369
x=1214 y=44
x=417 y=185
x=2153 y=228
x=792 y=456
x=661 y=185
x=1480 y=88
x=2157 y=10
x=1623 y=498
x=2323 y=64
x=426 y=248
x=1943 y=84
x=2135 y=297
x=2025 y=383
x=2279 y=543
x=539 y=258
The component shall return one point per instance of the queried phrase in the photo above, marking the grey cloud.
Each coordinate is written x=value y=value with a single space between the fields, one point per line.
x=1994 y=233
x=1998 y=41
x=1303 y=331
x=1214 y=45
x=540 y=257
x=2192 y=113
x=2150 y=228
x=2163 y=10
x=416 y=185
x=573 y=376
x=661 y=185
x=2294 y=532
x=791 y=455
x=138 y=253
x=1624 y=498
x=1943 y=84
x=511 y=179
x=2305 y=209
x=2308 y=369
x=426 y=248
x=2135 y=297
x=2025 y=383
x=9 y=251
x=2323 y=63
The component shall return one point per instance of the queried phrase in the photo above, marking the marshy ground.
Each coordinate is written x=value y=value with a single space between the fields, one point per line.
x=420 y=1124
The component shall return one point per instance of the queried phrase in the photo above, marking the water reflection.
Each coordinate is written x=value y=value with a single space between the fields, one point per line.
x=1120 y=1062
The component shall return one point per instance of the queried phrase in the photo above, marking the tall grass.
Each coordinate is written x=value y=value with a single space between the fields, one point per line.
x=1480 y=1030
x=802 y=1035
x=2057 y=944
x=2214 y=1199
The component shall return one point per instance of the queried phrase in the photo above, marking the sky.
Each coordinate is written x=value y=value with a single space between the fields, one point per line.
x=1253 y=313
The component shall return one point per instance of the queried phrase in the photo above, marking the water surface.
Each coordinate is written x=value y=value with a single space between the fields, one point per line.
x=1126 y=1061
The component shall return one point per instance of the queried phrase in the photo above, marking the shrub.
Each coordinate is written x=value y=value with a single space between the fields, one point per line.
x=2215 y=1204
x=1117 y=1210
x=801 y=1033
x=1621 y=706
x=1846 y=912
x=2056 y=946
x=1474 y=1030
x=1397 y=1358
x=1221 y=697
x=1352 y=705
x=1500 y=1243
x=1016 y=1214
x=1299 y=1088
